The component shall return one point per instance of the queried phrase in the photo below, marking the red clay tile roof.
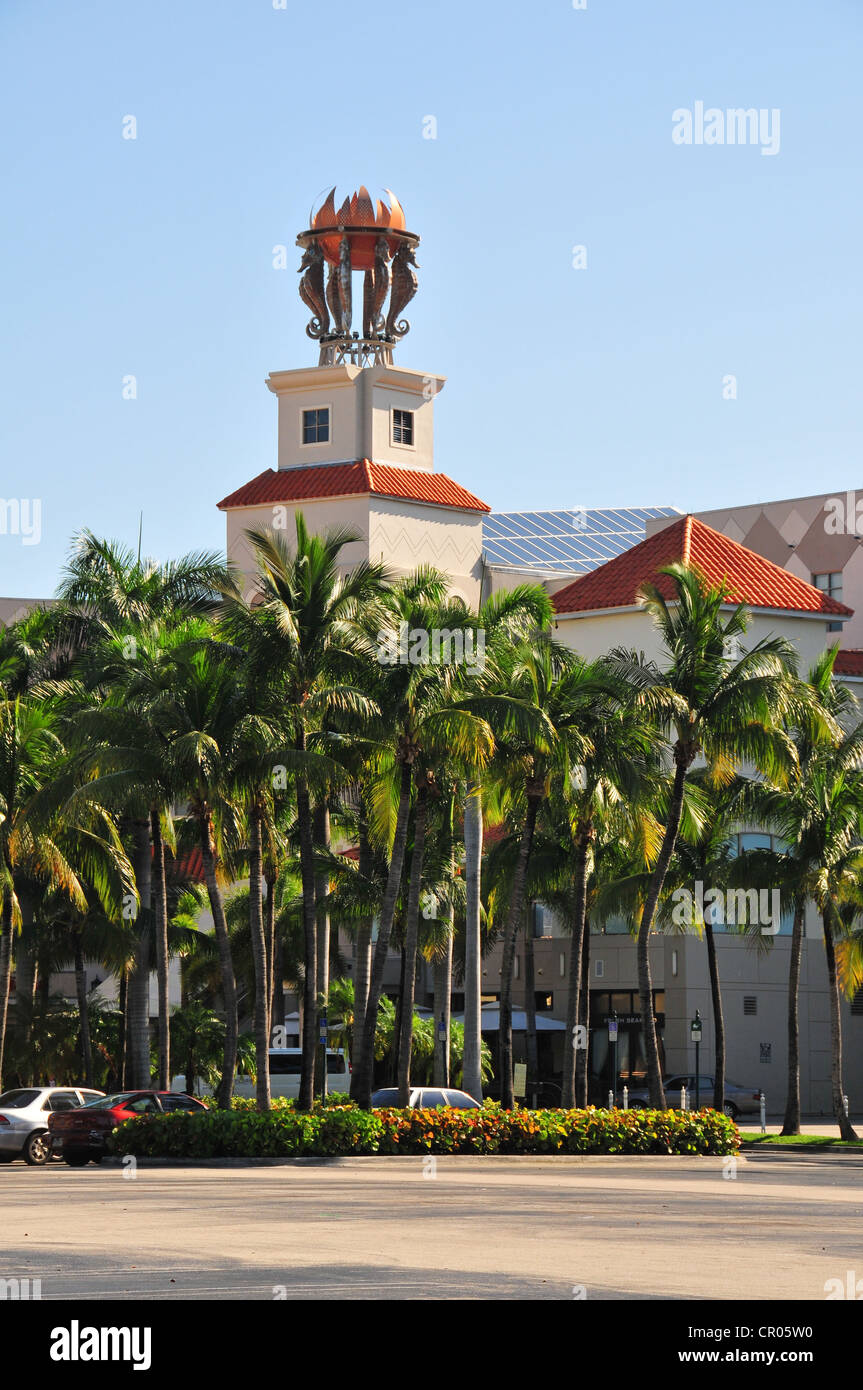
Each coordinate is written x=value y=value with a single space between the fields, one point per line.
x=188 y=868
x=358 y=479
x=849 y=662
x=752 y=579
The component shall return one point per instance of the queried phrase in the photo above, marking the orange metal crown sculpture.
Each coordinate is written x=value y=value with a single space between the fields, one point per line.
x=365 y=234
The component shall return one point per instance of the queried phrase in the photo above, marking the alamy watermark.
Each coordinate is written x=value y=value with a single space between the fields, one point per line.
x=20 y=1290
x=730 y=906
x=843 y=516
x=734 y=126
x=77 y=1343
x=419 y=646
x=851 y=1287
x=21 y=516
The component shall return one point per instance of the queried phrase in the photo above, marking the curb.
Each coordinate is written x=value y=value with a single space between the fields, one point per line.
x=802 y=1151
x=365 y=1160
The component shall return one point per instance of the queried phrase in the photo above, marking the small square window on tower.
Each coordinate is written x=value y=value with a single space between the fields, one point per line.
x=403 y=427
x=316 y=426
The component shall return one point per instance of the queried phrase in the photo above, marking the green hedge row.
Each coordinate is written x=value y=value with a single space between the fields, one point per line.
x=335 y=1131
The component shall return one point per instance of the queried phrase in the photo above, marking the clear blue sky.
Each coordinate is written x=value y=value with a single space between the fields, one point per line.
x=594 y=387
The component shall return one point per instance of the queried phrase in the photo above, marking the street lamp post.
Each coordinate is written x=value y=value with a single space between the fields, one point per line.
x=695 y=1034
x=324 y=1035
x=444 y=1059
x=612 y=1038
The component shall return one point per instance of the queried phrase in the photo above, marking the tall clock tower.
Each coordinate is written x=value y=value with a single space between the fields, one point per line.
x=356 y=432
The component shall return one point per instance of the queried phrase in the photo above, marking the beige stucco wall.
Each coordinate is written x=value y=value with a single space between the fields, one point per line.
x=316 y=387
x=596 y=633
x=361 y=402
x=401 y=534
x=406 y=534
x=331 y=512
x=388 y=389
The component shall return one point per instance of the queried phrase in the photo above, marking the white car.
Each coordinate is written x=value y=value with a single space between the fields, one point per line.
x=286 y=1064
x=24 y=1119
x=426 y=1098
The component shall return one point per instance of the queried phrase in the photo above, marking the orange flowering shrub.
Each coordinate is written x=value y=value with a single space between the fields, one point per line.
x=339 y=1130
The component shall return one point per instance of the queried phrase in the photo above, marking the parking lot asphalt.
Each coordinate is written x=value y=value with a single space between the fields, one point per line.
x=450 y=1228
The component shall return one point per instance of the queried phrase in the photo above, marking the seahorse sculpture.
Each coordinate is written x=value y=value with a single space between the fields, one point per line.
x=345 y=284
x=382 y=282
x=333 y=297
x=368 y=303
x=376 y=282
x=312 y=290
x=404 y=289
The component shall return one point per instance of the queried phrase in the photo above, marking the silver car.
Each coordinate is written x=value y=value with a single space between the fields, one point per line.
x=739 y=1100
x=24 y=1119
x=426 y=1098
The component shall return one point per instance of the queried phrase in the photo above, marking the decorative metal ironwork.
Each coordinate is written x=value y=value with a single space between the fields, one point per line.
x=369 y=235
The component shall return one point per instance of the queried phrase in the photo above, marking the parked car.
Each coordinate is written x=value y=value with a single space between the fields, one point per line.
x=739 y=1100
x=81 y=1136
x=286 y=1064
x=426 y=1098
x=25 y=1116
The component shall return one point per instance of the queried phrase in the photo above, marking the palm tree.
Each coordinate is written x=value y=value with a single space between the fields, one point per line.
x=199 y=719
x=421 y=724
x=30 y=753
x=473 y=838
x=609 y=790
x=820 y=708
x=556 y=688
x=106 y=584
x=301 y=637
x=109 y=597
x=723 y=708
x=504 y=619
x=834 y=820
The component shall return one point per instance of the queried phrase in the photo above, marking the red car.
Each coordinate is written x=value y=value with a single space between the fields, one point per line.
x=81 y=1136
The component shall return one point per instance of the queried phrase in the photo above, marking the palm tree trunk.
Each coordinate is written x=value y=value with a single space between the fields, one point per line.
x=363 y=947
x=322 y=888
x=5 y=969
x=530 y=1043
x=645 y=983
x=443 y=991
x=471 y=1065
x=83 y=1015
x=160 y=899
x=791 y=1122
x=573 y=995
x=270 y=941
x=846 y=1129
x=139 y=980
x=395 y=1040
x=718 y=1021
x=259 y=957
x=514 y=918
x=226 y=964
x=277 y=1002
x=123 y=1005
x=412 y=933
x=361 y=1078
x=443 y=1010
x=306 y=1097
x=25 y=979
x=583 y=1056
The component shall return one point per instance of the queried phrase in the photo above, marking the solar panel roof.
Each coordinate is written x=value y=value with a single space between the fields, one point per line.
x=573 y=540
